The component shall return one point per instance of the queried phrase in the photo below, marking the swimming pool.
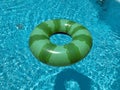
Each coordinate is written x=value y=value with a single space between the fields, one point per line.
x=20 y=70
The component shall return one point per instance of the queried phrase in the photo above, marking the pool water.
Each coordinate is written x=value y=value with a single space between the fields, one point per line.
x=60 y=39
x=20 y=70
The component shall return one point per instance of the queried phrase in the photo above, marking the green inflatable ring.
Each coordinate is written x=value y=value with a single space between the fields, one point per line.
x=56 y=55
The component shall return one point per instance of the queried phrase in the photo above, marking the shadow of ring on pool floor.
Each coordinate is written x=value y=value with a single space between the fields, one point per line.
x=69 y=74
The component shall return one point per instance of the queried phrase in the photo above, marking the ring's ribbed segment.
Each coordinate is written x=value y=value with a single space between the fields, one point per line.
x=78 y=28
x=73 y=26
x=47 y=29
x=81 y=32
x=37 y=46
x=82 y=47
x=59 y=57
x=57 y=24
x=36 y=38
x=73 y=52
x=46 y=52
x=38 y=31
x=63 y=25
x=51 y=24
x=68 y=25
x=84 y=38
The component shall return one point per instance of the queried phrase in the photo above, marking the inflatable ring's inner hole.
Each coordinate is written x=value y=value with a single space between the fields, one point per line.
x=60 y=38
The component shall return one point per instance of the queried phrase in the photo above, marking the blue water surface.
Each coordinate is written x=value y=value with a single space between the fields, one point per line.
x=20 y=70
